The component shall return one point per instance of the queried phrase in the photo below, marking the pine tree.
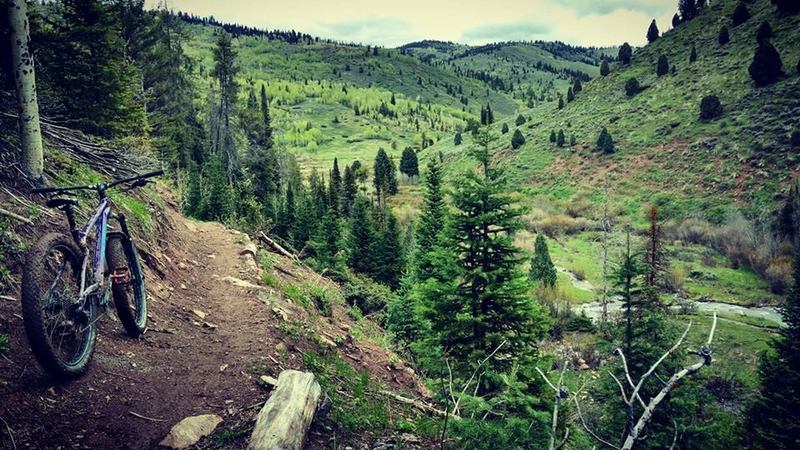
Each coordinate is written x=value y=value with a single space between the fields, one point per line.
x=688 y=9
x=693 y=55
x=767 y=66
x=662 y=68
x=570 y=95
x=520 y=120
x=388 y=252
x=632 y=87
x=457 y=139
x=409 y=164
x=431 y=219
x=349 y=190
x=543 y=271
x=560 y=102
x=504 y=129
x=560 y=140
x=723 y=37
x=625 y=53
x=552 y=137
x=517 y=140
x=577 y=86
x=764 y=32
x=740 y=14
x=604 y=68
x=216 y=202
x=604 y=142
x=287 y=216
x=261 y=159
x=384 y=176
x=335 y=187
x=710 y=108
x=489 y=115
x=361 y=238
x=489 y=304
x=676 y=20
x=193 y=197
x=326 y=241
x=652 y=32
x=225 y=71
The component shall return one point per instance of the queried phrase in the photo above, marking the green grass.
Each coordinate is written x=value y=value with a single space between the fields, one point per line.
x=3 y=343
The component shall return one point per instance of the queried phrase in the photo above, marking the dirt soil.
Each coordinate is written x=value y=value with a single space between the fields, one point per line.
x=209 y=340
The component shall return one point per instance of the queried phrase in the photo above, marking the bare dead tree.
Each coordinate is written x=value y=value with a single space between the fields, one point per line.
x=561 y=393
x=634 y=400
x=606 y=223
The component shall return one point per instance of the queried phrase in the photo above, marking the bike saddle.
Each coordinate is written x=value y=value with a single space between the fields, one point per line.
x=59 y=202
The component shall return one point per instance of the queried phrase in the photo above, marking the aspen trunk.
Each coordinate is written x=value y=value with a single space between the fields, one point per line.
x=25 y=78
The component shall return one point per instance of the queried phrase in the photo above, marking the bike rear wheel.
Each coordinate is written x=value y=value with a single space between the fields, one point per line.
x=127 y=278
x=61 y=328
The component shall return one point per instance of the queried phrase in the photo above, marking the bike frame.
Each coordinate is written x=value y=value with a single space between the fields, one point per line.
x=100 y=223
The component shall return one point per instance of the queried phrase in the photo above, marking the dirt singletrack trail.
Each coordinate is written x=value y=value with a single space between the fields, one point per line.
x=210 y=337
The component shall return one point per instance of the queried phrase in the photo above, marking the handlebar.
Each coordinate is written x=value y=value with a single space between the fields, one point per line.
x=99 y=187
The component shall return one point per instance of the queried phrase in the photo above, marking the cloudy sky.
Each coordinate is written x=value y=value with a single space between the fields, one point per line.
x=395 y=22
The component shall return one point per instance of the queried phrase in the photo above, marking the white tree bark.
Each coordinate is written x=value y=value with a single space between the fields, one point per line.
x=285 y=418
x=25 y=78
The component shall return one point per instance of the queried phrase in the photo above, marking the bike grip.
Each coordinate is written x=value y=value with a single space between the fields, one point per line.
x=44 y=190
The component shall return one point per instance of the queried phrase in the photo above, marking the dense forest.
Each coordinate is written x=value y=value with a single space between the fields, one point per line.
x=559 y=240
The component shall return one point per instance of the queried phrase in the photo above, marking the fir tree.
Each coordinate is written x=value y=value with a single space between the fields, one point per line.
x=723 y=37
x=625 y=53
x=652 y=32
x=552 y=137
x=676 y=20
x=361 y=238
x=560 y=102
x=504 y=129
x=457 y=138
x=604 y=142
x=384 y=176
x=740 y=14
x=349 y=190
x=662 y=68
x=216 y=202
x=693 y=55
x=517 y=140
x=604 y=68
x=764 y=32
x=560 y=140
x=192 y=198
x=767 y=66
x=326 y=241
x=520 y=120
x=688 y=9
x=409 y=164
x=388 y=252
x=577 y=86
x=632 y=87
x=225 y=71
x=429 y=224
x=543 y=271
x=335 y=187
x=570 y=95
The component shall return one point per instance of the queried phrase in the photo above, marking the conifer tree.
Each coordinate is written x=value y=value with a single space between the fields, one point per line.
x=662 y=68
x=349 y=190
x=225 y=71
x=216 y=202
x=517 y=140
x=384 y=176
x=787 y=6
x=388 y=252
x=489 y=304
x=520 y=120
x=361 y=237
x=457 y=139
x=577 y=86
x=604 y=142
x=740 y=14
x=552 y=137
x=409 y=164
x=688 y=9
x=543 y=271
x=652 y=32
x=764 y=32
x=560 y=102
x=560 y=140
x=430 y=222
x=335 y=193
x=625 y=53
x=326 y=240
x=676 y=20
x=287 y=216
x=693 y=55
x=504 y=129
x=632 y=87
x=723 y=37
x=570 y=95
x=767 y=66
x=604 y=68
x=193 y=197
x=710 y=108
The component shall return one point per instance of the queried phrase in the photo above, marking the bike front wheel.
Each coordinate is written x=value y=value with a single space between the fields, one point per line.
x=60 y=325
x=127 y=278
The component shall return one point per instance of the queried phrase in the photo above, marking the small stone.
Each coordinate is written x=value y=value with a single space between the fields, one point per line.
x=183 y=286
x=182 y=265
x=199 y=313
x=326 y=342
x=190 y=430
x=223 y=367
x=266 y=380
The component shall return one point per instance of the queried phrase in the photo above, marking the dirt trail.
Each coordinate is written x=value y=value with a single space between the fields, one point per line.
x=184 y=365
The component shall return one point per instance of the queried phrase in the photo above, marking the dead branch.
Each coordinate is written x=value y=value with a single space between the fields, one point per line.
x=276 y=247
x=424 y=407
x=472 y=377
x=151 y=419
x=586 y=427
x=15 y=216
x=560 y=393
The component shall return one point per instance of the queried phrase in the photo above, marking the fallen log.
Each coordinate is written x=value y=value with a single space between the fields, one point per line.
x=424 y=407
x=284 y=420
x=15 y=216
x=276 y=247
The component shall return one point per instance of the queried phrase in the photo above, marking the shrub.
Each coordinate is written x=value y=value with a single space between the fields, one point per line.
x=605 y=143
x=365 y=294
x=561 y=224
x=779 y=275
x=662 y=68
x=504 y=130
x=625 y=53
x=766 y=66
x=604 y=69
x=520 y=120
x=710 y=108
x=517 y=140
x=740 y=14
x=632 y=87
x=675 y=278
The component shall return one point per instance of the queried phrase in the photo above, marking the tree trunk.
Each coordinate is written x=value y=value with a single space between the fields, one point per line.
x=25 y=78
x=285 y=418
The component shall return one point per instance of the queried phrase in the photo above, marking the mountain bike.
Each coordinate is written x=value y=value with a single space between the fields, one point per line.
x=68 y=281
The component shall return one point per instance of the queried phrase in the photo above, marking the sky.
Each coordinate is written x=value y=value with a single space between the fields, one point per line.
x=393 y=23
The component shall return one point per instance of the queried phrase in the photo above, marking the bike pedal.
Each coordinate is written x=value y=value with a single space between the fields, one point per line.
x=121 y=276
